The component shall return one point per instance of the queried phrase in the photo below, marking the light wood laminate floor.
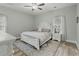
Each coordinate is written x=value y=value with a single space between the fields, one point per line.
x=67 y=49
x=64 y=49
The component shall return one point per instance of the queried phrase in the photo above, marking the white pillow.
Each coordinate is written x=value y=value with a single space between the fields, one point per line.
x=39 y=29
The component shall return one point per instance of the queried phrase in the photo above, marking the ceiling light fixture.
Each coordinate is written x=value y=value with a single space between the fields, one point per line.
x=36 y=6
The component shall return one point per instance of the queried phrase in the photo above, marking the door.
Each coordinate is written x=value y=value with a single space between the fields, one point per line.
x=59 y=28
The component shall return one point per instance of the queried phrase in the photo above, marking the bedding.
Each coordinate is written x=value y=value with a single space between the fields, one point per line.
x=36 y=39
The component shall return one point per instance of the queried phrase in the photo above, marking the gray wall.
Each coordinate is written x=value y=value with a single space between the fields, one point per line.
x=78 y=26
x=69 y=12
x=17 y=22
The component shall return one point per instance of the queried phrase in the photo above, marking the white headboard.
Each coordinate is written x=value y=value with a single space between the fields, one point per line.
x=44 y=25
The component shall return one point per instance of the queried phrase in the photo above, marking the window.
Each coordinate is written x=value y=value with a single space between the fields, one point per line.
x=3 y=23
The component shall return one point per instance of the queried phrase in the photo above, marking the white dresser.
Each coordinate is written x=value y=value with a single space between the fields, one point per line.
x=6 y=43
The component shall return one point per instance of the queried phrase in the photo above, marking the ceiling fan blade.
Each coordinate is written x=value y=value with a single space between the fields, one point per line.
x=27 y=6
x=42 y=4
x=40 y=8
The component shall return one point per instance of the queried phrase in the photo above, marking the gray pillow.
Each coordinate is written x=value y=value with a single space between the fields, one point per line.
x=45 y=30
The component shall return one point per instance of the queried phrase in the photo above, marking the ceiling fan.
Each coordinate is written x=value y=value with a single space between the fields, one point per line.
x=35 y=6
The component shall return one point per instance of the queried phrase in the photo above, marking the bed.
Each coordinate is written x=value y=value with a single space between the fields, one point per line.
x=47 y=49
x=36 y=38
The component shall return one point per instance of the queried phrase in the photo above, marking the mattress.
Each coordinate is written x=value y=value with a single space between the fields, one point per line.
x=42 y=36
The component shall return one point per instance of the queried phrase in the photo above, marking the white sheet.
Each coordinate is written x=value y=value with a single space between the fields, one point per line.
x=35 y=38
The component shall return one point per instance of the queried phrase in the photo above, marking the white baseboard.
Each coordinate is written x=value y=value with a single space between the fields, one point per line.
x=77 y=44
x=72 y=41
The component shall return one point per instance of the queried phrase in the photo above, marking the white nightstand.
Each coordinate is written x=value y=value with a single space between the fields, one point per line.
x=57 y=37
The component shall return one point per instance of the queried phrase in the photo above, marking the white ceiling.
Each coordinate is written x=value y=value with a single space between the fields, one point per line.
x=47 y=7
